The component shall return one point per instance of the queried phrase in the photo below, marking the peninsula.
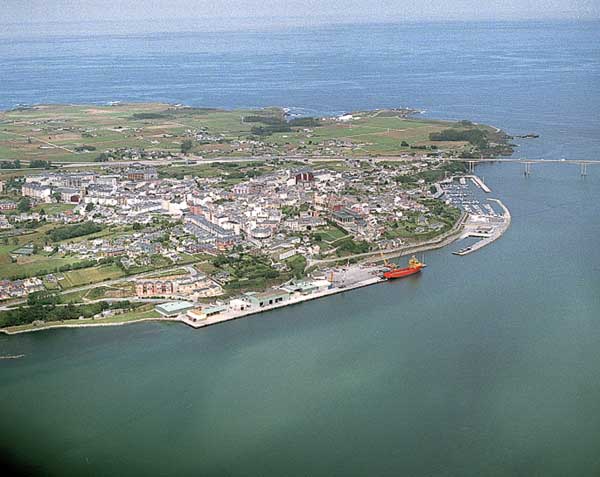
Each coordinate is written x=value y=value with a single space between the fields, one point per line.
x=126 y=212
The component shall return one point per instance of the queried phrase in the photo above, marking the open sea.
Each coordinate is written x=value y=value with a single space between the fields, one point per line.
x=484 y=365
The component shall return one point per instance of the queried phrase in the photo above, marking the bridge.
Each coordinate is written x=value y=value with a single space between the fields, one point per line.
x=527 y=163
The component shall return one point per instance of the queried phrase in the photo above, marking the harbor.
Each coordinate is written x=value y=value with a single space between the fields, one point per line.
x=486 y=218
x=350 y=278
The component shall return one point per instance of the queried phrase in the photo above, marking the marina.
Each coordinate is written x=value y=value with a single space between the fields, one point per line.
x=487 y=218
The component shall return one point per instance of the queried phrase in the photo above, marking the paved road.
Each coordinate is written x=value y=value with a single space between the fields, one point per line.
x=317 y=159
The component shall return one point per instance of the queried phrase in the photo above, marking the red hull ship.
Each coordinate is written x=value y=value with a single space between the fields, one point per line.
x=414 y=266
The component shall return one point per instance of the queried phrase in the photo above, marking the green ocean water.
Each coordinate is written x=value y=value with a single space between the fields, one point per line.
x=483 y=365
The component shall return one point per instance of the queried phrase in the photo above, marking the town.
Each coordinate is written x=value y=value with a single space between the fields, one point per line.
x=206 y=240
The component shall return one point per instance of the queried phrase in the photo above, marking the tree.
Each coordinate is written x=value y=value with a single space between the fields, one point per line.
x=186 y=146
x=42 y=212
x=39 y=164
x=103 y=157
x=89 y=207
x=24 y=205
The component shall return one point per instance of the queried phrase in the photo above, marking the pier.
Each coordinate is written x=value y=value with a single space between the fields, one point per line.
x=230 y=315
x=473 y=227
x=479 y=183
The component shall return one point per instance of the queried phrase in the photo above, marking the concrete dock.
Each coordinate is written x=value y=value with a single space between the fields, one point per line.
x=478 y=181
x=294 y=299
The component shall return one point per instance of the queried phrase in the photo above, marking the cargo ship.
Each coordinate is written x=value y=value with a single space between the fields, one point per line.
x=414 y=266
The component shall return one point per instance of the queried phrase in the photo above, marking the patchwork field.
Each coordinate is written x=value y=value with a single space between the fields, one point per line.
x=82 y=133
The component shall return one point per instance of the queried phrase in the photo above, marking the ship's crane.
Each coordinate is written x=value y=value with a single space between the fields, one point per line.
x=385 y=260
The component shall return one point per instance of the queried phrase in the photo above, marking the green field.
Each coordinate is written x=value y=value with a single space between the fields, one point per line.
x=31 y=266
x=53 y=209
x=42 y=263
x=85 y=276
x=330 y=233
x=120 y=290
x=80 y=133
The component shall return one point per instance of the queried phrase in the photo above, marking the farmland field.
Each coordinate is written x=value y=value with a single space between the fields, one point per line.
x=88 y=133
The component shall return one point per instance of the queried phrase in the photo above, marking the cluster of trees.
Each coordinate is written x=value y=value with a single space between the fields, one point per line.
x=84 y=148
x=24 y=205
x=432 y=175
x=247 y=271
x=186 y=146
x=278 y=121
x=406 y=179
x=271 y=120
x=297 y=264
x=33 y=164
x=352 y=247
x=476 y=137
x=46 y=308
x=72 y=231
x=40 y=164
x=271 y=124
x=268 y=130
x=442 y=211
x=305 y=122
x=103 y=157
x=16 y=164
x=141 y=116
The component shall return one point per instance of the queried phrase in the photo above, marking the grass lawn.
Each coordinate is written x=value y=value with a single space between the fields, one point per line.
x=85 y=276
x=205 y=267
x=120 y=290
x=175 y=273
x=32 y=265
x=53 y=209
x=141 y=313
x=330 y=233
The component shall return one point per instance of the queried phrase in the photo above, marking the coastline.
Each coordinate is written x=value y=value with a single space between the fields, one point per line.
x=49 y=326
x=454 y=234
x=446 y=240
